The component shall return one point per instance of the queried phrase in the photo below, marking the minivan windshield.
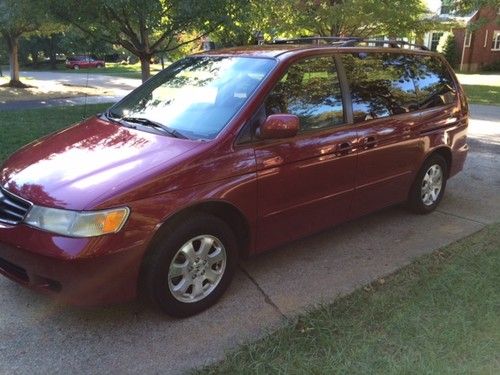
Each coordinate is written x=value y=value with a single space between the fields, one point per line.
x=196 y=96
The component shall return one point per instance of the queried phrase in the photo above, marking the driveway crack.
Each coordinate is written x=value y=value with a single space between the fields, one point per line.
x=461 y=217
x=267 y=298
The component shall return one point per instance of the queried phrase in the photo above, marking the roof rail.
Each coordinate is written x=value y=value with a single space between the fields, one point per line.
x=315 y=40
x=348 y=41
x=391 y=43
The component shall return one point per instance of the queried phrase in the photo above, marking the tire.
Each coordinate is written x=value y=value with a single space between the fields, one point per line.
x=167 y=267
x=99 y=66
x=76 y=67
x=429 y=185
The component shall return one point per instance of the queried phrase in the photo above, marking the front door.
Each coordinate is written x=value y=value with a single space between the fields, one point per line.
x=305 y=183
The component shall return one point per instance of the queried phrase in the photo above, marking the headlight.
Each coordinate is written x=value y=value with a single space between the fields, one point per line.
x=76 y=223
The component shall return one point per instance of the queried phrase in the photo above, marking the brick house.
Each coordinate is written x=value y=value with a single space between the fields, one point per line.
x=477 y=48
x=481 y=47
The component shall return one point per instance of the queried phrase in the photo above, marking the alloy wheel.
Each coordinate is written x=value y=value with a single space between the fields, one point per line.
x=197 y=268
x=432 y=184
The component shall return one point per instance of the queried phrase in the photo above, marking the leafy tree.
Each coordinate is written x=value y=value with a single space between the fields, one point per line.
x=468 y=6
x=143 y=27
x=247 y=19
x=18 y=18
x=362 y=18
x=295 y=18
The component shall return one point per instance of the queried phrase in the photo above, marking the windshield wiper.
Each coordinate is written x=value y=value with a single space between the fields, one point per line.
x=154 y=124
x=143 y=121
x=111 y=117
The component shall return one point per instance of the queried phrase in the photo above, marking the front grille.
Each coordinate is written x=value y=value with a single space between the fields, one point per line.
x=12 y=209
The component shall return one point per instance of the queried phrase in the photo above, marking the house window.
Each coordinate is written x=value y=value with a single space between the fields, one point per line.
x=435 y=40
x=496 y=41
x=468 y=37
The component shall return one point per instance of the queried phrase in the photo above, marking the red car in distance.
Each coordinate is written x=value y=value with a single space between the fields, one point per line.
x=226 y=154
x=82 y=62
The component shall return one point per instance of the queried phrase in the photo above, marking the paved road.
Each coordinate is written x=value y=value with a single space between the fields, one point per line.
x=37 y=336
x=118 y=86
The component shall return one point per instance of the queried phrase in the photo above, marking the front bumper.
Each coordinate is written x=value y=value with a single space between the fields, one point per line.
x=104 y=279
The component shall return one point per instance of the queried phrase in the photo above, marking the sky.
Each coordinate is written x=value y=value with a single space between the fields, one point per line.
x=433 y=5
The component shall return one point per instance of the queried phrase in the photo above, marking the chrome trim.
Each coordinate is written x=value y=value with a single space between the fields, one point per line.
x=4 y=192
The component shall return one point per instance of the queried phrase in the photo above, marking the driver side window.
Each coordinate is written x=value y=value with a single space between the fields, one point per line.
x=310 y=90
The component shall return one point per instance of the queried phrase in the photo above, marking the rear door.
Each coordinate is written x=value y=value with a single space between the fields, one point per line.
x=384 y=103
x=305 y=183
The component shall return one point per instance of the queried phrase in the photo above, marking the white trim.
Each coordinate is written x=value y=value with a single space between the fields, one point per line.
x=495 y=40
x=463 y=52
x=486 y=39
x=468 y=38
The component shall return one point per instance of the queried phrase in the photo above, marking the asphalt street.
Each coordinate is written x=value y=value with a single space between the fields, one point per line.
x=118 y=87
x=38 y=337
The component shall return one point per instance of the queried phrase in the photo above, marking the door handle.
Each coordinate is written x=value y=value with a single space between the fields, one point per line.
x=369 y=142
x=343 y=149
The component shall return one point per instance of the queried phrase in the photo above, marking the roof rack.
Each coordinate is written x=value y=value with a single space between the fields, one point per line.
x=348 y=42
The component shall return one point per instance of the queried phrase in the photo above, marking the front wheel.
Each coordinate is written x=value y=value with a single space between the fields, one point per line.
x=430 y=183
x=190 y=265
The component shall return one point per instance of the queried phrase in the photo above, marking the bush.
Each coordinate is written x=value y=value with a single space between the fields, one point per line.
x=494 y=67
x=450 y=51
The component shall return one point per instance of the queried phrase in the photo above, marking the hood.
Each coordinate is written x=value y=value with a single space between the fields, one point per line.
x=74 y=167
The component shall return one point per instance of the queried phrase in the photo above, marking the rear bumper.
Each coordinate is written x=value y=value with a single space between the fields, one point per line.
x=100 y=280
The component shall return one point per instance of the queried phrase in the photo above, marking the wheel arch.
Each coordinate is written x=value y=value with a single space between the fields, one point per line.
x=445 y=153
x=224 y=211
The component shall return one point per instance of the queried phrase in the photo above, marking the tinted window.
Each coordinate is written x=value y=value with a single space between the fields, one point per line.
x=433 y=81
x=310 y=90
x=380 y=85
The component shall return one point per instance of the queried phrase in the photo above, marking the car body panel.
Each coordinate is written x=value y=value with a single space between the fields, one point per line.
x=304 y=184
x=57 y=170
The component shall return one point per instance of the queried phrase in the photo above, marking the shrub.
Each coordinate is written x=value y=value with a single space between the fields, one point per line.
x=494 y=67
x=450 y=51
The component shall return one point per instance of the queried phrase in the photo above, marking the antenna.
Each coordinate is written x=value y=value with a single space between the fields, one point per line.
x=86 y=88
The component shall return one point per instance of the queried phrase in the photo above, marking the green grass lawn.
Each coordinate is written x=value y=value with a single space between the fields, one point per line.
x=21 y=127
x=113 y=69
x=481 y=88
x=439 y=315
x=481 y=94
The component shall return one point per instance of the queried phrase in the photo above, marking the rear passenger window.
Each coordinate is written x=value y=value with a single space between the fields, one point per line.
x=380 y=84
x=433 y=81
x=310 y=90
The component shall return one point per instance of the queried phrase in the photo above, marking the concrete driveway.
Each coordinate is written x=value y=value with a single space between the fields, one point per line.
x=39 y=337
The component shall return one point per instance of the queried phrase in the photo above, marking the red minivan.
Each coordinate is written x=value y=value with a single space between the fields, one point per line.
x=227 y=154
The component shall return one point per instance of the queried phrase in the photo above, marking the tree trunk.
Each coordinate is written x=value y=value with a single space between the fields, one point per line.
x=145 y=67
x=13 y=48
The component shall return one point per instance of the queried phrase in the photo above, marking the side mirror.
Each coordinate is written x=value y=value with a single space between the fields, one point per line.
x=279 y=126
